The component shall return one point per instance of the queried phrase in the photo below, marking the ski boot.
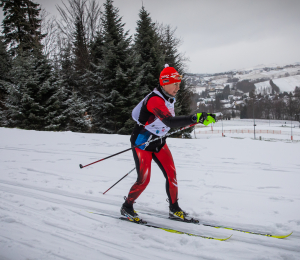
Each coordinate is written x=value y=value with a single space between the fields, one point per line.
x=128 y=211
x=176 y=213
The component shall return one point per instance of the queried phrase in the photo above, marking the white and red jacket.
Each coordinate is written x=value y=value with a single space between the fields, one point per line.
x=155 y=116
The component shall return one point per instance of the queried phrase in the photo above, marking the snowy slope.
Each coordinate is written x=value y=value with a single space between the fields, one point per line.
x=273 y=74
x=287 y=84
x=45 y=199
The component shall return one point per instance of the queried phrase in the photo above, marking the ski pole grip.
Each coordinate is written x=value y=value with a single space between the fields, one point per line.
x=80 y=166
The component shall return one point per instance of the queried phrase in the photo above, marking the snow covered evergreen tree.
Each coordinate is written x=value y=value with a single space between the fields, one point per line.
x=40 y=100
x=67 y=70
x=5 y=60
x=5 y=66
x=81 y=58
x=29 y=103
x=73 y=107
x=93 y=76
x=81 y=53
x=28 y=93
x=21 y=25
x=72 y=112
x=76 y=114
x=146 y=44
x=115 y=76
x=97 y=48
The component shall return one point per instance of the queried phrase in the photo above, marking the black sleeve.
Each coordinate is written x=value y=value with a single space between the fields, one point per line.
x=178 y=121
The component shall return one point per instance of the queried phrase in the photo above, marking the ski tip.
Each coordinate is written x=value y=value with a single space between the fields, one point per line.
x=213 y=238
x=224 y=239
x=281 y=237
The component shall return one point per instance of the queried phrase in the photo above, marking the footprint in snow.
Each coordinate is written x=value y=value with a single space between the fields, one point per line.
x=280 y=199
x=8 y=220
x=268 y=187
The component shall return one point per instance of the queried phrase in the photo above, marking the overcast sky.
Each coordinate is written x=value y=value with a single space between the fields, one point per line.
x=220 y=35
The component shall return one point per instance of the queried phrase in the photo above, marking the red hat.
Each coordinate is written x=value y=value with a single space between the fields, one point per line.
x=169 y=76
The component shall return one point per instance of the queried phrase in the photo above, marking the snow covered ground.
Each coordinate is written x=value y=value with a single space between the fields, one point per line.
x=46 y=200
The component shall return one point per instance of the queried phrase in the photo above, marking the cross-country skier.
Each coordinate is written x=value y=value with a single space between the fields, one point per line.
x=154 y=117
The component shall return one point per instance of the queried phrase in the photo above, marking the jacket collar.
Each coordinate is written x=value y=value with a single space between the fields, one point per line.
x=166 y=96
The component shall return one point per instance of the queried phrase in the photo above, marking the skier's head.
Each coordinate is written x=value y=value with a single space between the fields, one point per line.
x=169 y=75
x=170 y=80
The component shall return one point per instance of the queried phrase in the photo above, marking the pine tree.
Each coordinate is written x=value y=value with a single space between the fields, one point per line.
x=35 y=36
x=29 y=85
x=76 y=114
x=38 y=97
x=29 y=92
x=21 y=25
x=146 y=44
x=40 y=100
x=80 y=48
x=67 y=70
x=95 y=102
x=275 y=88
x=5 y=66
x=96 y=47
x=5 y=61
x=73 y=109
x=115 y=77
x=81 y=58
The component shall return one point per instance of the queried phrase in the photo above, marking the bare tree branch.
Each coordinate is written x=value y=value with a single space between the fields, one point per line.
x=49 y=28
x=88 y=12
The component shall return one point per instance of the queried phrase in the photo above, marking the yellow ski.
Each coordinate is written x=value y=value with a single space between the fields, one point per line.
x=249 y=232
x=223 y=227
x=176 y=231
x=160 y=227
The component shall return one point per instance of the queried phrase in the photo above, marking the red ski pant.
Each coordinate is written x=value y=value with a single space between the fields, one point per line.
x=143 y=161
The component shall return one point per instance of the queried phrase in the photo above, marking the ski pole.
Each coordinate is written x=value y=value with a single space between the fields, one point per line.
x=168 y=134
x=119 y=180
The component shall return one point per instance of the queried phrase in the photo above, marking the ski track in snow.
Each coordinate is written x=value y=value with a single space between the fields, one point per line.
x=64 y=200
x=45 y=199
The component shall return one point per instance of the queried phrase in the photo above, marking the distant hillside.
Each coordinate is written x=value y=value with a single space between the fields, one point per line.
x=285 y=77
x=287 y=84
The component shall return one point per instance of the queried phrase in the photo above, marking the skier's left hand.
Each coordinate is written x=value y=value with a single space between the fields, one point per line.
x=201 y=116
x=208 y=119
x=213 y=116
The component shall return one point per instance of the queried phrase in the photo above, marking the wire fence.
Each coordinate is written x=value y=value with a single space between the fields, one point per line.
x=248 y=131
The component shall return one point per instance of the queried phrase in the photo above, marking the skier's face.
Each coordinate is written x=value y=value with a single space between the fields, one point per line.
x=172 y=89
